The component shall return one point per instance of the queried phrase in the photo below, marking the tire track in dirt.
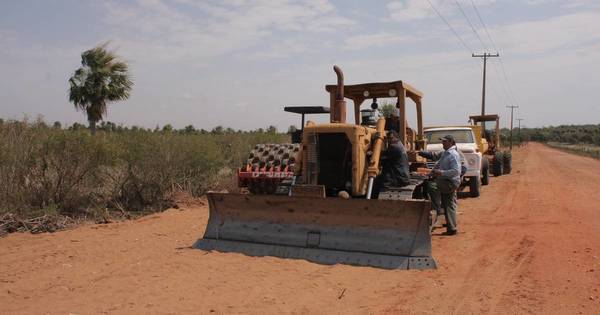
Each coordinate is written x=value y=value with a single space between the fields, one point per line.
x=495 y=258
x=516 y=239
x=512 y=285
x=551 y=216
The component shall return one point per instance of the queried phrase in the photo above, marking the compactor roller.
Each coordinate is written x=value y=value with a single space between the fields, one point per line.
x=267 y=157
x=314 y=200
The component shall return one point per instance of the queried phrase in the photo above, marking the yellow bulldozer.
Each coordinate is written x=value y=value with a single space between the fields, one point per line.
x=322 y=209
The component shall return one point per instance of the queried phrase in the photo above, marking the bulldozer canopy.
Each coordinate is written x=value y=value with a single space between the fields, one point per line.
x=378 y=90
x=480 y=118
x=307 y=109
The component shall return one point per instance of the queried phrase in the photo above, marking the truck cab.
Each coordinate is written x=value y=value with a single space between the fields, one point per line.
x=468 y=143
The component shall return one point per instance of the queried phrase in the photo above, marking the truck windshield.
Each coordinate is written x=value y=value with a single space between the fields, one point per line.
x=461 y=136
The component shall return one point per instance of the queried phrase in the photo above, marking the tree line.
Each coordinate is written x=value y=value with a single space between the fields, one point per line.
x=108 y=126
x=571 y=134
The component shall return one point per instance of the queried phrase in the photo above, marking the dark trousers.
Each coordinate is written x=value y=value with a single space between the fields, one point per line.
x=442 y=194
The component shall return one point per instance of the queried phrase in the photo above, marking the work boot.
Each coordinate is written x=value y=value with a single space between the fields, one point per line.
x=451 y=232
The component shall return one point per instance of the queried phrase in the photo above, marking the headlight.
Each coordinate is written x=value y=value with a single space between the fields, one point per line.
x=472 y=161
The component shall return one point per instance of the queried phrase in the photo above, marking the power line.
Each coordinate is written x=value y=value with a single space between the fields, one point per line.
x=470 y=24
x=484 y=27
x=491 y=40
x=463 y=42
x=519 y=120
x=512 y=108
x=497 y=94
x=506 y=90
x=507 y=81
x=519 y=135
x=503 y=85
x=485 y=56
x=450 y=27
x=510 y=91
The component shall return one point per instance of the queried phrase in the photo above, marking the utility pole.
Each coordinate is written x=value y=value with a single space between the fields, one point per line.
x=519 y=120
x=485 y=56
x=512 y=108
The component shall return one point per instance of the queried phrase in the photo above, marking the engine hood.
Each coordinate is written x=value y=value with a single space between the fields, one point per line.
x=463 y=147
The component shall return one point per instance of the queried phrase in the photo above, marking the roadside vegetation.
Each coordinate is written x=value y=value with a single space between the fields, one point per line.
x=52 y=176
x=590 y=150
x=578 y=139
x=572 y=134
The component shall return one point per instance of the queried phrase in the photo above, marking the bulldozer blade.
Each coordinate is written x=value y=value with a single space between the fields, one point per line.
x=391 y=234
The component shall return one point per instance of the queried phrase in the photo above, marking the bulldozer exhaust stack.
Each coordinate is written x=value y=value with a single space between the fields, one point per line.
x=338 y=113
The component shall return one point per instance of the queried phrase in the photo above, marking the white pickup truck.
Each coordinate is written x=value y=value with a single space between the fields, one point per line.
x=477 y=167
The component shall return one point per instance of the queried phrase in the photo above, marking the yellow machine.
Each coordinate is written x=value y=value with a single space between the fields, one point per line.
x=326 y=213
x=500 y=161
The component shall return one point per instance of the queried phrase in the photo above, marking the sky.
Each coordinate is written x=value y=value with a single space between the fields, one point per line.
x=237 y=63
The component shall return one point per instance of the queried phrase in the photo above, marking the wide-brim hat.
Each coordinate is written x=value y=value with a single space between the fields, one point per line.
x=448 y=138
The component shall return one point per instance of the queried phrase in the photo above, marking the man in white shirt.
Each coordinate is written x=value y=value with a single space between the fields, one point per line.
x=446 y=172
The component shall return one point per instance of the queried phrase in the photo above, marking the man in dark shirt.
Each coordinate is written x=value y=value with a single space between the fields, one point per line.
x=395 y=166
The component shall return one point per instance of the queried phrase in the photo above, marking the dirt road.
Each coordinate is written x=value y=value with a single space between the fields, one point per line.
x=529 y=244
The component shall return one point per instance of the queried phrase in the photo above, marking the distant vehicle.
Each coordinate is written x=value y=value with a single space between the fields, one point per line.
x=500 y=160
x=468 y=142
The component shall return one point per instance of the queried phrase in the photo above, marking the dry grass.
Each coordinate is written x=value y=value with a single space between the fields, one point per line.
x=55 y=173
x=584 y=149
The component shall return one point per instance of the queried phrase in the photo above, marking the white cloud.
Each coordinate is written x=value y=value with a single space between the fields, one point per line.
x=537 y=2
x=409 y=10
x=260 y=55
x=406 y=10
x=378 y=40
x=557 y=33
x=581 y=4
x=155 y=29
x=281 y=49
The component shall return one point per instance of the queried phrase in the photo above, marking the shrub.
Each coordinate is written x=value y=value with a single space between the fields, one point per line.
x=45 y=170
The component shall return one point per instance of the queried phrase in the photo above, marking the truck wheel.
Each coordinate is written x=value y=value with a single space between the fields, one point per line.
x=497 y=165
x=485 y=172
x=507 y=162
x=474 y=185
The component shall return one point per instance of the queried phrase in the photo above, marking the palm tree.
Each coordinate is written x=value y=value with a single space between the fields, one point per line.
x=100 y=80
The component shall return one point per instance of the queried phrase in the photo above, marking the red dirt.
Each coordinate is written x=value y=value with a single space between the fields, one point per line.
x=529 y=244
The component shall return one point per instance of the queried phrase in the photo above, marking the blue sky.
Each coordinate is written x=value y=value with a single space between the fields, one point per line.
x=236 y=63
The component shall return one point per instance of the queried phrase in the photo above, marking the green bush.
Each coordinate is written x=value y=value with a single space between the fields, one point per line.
x=48 y=170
